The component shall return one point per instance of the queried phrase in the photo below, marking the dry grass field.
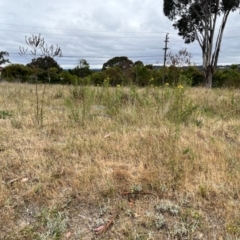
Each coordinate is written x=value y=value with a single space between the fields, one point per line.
x=119 y=163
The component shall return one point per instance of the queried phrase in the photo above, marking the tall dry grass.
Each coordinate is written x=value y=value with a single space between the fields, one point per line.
x=165 y=160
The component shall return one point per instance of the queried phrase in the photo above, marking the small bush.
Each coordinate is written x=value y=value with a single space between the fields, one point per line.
x=5 y=114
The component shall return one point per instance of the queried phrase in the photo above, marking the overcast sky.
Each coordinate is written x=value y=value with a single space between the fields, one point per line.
x=99 y=30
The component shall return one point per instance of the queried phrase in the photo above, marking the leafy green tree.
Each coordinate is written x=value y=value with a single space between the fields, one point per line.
x=228 y=77
x=44 y=63
x=219 y=78
x=195 y=74
x=157 y=76
x=82 y=70
x=149 y=66
x=197 y=20
x=3 y=60
x=115 y=76
x=98 y=78
x=67 y=78
x=47 y=64
x=17 y=71
x=138 y=63
x=83 y=63
x=173 y=75
x=54 y=74
x=122 y=62
x=141 y=75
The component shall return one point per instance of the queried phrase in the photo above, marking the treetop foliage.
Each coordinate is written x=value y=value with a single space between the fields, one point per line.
x=44 y=63
x=83 y=64
x=82 y=70
x=197 y=20
x=138 y=63
x=192 y=14
x=2 y=57
x=122 y=62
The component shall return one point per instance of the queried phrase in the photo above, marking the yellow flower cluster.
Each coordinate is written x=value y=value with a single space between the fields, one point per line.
x=180 y=86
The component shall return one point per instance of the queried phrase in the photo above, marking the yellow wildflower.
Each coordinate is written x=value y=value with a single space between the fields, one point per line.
x=180 y=86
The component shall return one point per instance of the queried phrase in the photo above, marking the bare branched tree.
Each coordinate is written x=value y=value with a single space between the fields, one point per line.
x=179 y=59
x=38 y=47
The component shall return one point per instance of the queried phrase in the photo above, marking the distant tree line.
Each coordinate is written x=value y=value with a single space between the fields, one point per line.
x=117 y=71
x=195 y=20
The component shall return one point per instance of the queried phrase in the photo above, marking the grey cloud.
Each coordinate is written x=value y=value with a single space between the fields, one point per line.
x=96 y=31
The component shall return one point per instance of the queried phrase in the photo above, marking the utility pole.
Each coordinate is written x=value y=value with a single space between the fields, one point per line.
x=165 y=58
x=165 y=49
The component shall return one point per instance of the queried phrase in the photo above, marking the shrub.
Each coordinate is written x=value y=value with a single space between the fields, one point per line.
x=195 y=74
x=115 y=75
x=68 y=78
x=18 y=71
x=228 y=77
x=97 y=78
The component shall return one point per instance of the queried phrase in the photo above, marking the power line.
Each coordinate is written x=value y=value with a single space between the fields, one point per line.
x=126 y=50
x=64 y=57
x=83 y=36
x=74 y=58
x=82 y=56
x=83 y=30
x=80 y=30
x=109 y=37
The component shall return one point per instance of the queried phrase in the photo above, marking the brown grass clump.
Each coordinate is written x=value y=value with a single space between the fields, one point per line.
x=119 y=163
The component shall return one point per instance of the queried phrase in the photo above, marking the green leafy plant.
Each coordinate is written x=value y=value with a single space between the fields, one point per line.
x=5 y=114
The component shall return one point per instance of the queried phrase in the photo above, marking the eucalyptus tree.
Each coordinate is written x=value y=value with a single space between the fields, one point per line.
x=196 y=20
x=82 y=70
x=122 y=62
x=3 y=56
x=44 y=63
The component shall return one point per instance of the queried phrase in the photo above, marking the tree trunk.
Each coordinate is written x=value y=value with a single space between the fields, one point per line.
x=208 y=74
